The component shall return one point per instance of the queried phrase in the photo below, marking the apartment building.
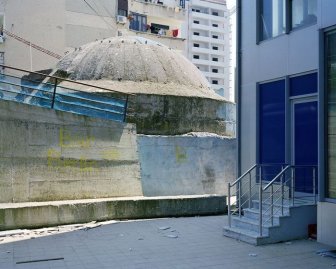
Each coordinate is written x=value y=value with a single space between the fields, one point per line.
x=208 y=42
x=157 y=20
x=37 y=33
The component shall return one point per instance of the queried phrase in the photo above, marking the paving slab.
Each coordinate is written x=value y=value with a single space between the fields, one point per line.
x=145 y=244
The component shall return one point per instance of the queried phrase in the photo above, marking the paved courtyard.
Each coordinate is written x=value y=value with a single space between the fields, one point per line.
x=195 y=242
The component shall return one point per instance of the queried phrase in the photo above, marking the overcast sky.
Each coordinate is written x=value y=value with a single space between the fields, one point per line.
x=230 y=3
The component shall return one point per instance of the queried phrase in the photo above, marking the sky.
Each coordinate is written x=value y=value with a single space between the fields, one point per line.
x=230 y=3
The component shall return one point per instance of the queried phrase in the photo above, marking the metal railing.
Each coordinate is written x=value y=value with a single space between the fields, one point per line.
x=272 y=188
x=47 y=91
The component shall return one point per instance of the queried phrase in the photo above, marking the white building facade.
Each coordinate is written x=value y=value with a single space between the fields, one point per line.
x=208 y=31
x=286 y=94
x=36 y=33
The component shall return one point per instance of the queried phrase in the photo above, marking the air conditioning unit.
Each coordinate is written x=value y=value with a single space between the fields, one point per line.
x=121 y=19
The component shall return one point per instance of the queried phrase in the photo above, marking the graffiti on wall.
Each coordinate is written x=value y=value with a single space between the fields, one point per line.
x=69 y=142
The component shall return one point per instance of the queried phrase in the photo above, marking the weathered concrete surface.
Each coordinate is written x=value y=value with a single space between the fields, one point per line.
x=173 y=115
x=43 y=214
x=171 y=95
x=52 y=155
x=175 y=165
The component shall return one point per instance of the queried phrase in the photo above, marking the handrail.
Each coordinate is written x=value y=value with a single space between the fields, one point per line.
x=243 y=175
x=276 y=177
x=72 y=100
x=64 y=79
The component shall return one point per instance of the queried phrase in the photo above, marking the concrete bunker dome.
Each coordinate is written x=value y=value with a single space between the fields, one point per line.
x=171 y=96
x=148 y=66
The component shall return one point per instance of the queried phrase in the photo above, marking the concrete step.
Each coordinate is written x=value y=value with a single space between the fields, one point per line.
x=53 y=213
x=291 y=227
x=277 y=207
x=248 y=224
x=250 y=237
x=253 y=214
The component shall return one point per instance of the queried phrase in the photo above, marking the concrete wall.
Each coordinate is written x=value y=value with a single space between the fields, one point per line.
x=51 y=155
x=326 y=221
x=175 y=165
x=172 y=115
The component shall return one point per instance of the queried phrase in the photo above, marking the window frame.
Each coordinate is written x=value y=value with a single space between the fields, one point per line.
x=323 y=98
x=287 y=17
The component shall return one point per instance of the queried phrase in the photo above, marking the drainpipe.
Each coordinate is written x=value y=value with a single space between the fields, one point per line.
x=238 y=85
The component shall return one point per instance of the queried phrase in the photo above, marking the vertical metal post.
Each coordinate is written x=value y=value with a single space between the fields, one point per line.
x=282 y=195
x=292 y=183
x=239 y=198
x=54 y=94
x=229 y=204
x=125 y=109
x=260 y=201
x=250 y=190
x=282 y=190
x=271 y=204
x=314 y=185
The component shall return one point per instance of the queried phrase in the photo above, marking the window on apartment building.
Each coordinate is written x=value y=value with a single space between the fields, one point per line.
x=330 y=63
x=196 y=56
x=272 y=18
x=198 y=10
x=214 y=59
x=214 y=25
x=214 y=13
x=196 y=33
x=155 y=28
x=215 y=36
x=303 y=12
x=214 y=70
x=122 y=7
x=1 y=24
x=196 y=45
x=196 y=22
x=214 y=81
x=138 y=22
x=214 y=47
x=122 y=12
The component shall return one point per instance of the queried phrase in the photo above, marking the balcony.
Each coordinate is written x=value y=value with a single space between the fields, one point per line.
x=200 y=15
x=171 y=42
x=208 y=51
x=197 y=26
x=207 y=39
x=211 y=75
x=158 y=8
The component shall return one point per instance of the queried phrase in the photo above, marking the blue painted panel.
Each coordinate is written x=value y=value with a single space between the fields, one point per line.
x=306 y=84
x=41 y=94
x=272 y=133
x=305 y=120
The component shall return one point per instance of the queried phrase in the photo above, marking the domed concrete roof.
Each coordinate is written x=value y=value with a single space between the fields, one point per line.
x=136 y=65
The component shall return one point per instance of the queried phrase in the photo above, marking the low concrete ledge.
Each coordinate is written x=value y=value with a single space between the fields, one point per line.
x=44 y=214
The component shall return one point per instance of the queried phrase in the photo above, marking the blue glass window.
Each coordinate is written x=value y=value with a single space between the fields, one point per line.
x=306 y=84
x=272 y=132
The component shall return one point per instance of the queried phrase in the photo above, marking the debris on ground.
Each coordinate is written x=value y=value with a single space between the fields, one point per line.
x=171 y=235
x=23 y=234
x=327 y=253
x=253 y=254
x=164 y=228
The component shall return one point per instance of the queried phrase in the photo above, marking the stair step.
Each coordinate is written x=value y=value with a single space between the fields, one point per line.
x=250 y=237
x=276 y=207
x=250 y=224
x=253 y=213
